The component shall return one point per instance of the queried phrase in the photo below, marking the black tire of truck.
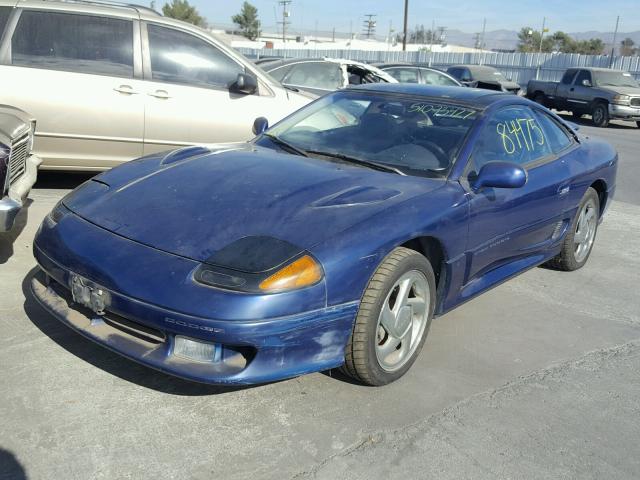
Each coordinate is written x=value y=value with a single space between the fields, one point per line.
x=540 y=98
x=600 y=115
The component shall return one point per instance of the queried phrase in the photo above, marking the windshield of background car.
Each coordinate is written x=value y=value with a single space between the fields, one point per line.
x=615 y=79
x=417 y=135
x=489 y=75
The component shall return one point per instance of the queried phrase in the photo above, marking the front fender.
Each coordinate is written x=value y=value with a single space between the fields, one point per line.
x=350 y=258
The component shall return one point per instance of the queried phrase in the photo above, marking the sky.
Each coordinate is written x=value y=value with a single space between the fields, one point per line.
x=465 y=15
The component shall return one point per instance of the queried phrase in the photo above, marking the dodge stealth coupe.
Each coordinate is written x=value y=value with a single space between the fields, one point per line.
x=330 y=240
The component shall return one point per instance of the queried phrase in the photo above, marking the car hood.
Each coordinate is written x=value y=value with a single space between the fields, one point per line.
x=196 y=206
x=631 y=91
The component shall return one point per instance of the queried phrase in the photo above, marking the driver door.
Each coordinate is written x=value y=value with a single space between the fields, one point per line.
x=513 y=228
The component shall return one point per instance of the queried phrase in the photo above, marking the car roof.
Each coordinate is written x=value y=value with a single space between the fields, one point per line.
x=382 y=66
x=100 y=7
x=476 y=68
x=478 y=97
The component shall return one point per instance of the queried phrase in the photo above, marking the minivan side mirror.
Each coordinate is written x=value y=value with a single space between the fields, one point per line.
x=500 y=175
x=586 y=83
x=260 y=125
x=245 y=84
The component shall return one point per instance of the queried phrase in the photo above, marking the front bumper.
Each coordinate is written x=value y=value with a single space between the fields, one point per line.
x=247 y=352
x=623 y=112
x=11 y=204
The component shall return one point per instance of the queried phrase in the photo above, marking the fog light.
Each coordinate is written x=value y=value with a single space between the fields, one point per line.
x=194 y=349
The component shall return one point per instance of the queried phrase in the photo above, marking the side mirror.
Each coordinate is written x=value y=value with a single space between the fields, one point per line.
x=586 y=83
x=245 y=84
x=500 y=175
x=260 y=125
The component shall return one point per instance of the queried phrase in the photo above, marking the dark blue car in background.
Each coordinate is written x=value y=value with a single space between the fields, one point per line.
x=331 y=239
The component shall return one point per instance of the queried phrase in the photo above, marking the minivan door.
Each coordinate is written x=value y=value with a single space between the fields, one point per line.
x=187 y=94
x=75 y=74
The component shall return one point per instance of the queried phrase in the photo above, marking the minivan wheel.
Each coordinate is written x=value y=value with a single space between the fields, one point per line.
x=393 y=320
x=600 y=115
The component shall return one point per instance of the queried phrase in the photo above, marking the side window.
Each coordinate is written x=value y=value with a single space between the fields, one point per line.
x=466 y=75
x=435 y=78
x=557 y=136
x=512 y=134
x=455 y=72
x=5 y=12
x=279 y=73
x=327 y=76
x=582 y=76
x=179 y=57
x=567 y=78
x=73 y=43
x=404 y=75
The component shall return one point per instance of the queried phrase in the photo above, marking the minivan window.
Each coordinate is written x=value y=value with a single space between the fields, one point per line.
x=5 y=12
x=178 y=57
x=73 y=43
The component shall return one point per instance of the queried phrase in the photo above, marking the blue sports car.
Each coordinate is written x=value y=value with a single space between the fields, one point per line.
x=330 y=240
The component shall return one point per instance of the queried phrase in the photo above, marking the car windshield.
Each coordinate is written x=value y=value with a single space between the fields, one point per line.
x=489 y=75
x=615 y=79
x=411 y=135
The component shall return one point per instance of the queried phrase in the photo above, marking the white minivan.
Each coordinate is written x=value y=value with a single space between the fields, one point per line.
x=112 y=82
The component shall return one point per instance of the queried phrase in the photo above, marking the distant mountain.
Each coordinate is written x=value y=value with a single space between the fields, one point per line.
x=508 y=39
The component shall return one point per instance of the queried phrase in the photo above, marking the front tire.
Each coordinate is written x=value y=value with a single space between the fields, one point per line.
x=393 y=320
x=581 y=236
x=600 y=115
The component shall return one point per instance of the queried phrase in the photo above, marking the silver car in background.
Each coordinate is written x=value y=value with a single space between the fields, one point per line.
x=18 y=168
x=112 y=82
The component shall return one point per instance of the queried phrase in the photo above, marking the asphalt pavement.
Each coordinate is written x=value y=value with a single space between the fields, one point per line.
x=538 y=378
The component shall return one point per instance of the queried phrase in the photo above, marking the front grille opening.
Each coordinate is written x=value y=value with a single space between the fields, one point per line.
x=135 y=329
x=18 y=158
x=130 y=327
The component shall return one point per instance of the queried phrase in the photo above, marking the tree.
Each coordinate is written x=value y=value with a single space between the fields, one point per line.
x=182 y=10
x=627 y=47
x=248 y=21
x=529 y=41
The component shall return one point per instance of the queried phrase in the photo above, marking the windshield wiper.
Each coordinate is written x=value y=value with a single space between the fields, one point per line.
x=359 y=161
x=285 y=145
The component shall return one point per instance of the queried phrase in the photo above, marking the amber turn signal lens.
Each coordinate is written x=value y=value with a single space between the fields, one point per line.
x=303 y=272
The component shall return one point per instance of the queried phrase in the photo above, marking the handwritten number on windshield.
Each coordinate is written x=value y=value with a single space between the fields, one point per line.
x=520 y=134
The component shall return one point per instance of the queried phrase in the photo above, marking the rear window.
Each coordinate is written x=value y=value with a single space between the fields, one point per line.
x=4 y=18
x=74 y=43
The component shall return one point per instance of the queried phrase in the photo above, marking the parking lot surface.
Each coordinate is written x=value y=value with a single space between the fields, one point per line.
x=537 y=378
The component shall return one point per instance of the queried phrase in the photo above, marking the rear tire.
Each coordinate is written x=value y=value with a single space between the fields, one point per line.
x=581 y=236
x=600 y=115
x=393 y=319
x=540 y=98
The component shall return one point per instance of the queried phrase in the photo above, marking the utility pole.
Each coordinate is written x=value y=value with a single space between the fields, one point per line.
x=369 y=26
x=285 y=15
x=484 y=29
x=544 y=21
x=404 y=30
x=613 y=44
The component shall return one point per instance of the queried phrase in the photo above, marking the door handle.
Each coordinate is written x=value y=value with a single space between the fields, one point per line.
x=126 y=89
x=160 y=94
x=571 y=89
